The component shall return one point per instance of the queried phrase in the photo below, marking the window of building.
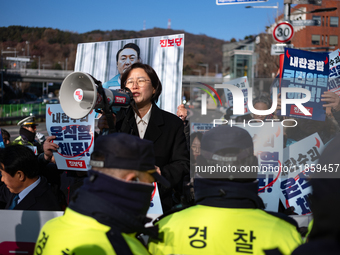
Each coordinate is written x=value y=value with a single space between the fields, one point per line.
x=323 y=20
x=326 y=21
x=326 y=37
x=333 y=40
x=316 y=39
x=334 y=22
x=318 y=18
x=322 y=40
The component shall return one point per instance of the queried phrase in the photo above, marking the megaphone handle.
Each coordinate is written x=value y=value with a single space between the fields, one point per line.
x=110 y=122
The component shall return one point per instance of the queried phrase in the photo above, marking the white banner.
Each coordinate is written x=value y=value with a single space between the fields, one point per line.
x=163 y=53
x=75 y=138
x=241 y=83
x=300 y=158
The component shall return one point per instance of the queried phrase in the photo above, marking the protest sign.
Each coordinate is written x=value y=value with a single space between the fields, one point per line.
x=75 y=138
x=2 y=145
x=241 y=83
x=155 y=204
x=33 y=148
x=334 y=72
x=300 y=159
x=308 y=70
x=200 y=127
x=163 y=53
x=268 y=147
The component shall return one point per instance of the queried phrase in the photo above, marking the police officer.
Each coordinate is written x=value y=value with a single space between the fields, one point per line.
x=228 y=217
x=110 y=208
x=28 y=130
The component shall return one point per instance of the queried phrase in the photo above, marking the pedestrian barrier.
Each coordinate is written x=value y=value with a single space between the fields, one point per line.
x=12 y=113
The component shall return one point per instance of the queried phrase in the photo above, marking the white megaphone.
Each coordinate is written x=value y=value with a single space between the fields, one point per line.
x=79 y=95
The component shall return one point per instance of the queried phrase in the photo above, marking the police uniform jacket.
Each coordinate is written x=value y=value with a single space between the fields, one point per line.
x=228 y=219
x=21 y=141
x=99 y=220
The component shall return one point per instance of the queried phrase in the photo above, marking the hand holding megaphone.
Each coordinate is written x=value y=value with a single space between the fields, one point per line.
x=80 y=93
x=103 y=123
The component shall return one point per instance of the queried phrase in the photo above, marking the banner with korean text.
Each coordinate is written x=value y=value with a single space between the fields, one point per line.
x=241 y=83
x=308 y=70
x=268 y=147
x=75 y=138
x=300 y=159
x=106 y=61
x=334 y=72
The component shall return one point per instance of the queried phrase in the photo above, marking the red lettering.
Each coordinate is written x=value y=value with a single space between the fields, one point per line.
x=76 y=163
x=296 y=111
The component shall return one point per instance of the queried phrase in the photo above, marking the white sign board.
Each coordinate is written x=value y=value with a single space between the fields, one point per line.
x=241 y=83
x=155 y=204
x=75 y=138
x=300 y=158
x=283 y=32
x=163 y=53
x=278 y=49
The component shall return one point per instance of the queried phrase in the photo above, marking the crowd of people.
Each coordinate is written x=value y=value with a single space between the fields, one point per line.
x=106 y=207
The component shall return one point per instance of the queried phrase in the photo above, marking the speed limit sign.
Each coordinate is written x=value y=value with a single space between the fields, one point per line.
x=283 y=32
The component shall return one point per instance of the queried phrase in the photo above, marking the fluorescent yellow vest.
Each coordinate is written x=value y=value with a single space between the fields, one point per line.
x=211 y=230
x=75 y=233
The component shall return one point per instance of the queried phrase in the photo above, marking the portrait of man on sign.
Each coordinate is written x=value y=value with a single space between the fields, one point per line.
x=125 y=57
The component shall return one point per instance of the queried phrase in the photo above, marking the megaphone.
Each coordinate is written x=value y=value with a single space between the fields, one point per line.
x=79 y=95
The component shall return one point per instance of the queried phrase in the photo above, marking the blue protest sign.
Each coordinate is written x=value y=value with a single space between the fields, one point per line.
x=334 y=72
x=307 y=70
x=2 y=145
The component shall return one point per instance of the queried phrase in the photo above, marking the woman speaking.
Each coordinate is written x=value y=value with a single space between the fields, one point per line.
x=164 y=129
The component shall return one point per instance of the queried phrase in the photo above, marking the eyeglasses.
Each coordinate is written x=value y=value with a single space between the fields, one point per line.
x=196 y=147
x=140 y=82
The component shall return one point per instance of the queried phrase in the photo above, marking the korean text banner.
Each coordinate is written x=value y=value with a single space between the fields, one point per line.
x=75 y=138
x=300 y=159
x=106 y=61
x=308 y=70
x=241 y=83
x=268 y=147
x=334 y=72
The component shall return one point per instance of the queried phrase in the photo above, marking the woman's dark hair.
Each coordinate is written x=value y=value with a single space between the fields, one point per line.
x=129 y=46
x=156 y=83
x=194 y=135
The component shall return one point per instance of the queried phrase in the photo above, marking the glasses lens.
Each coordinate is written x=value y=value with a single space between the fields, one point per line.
x=141 y=82
x=129 y=83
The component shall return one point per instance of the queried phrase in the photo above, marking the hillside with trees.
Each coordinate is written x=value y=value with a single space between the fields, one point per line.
x=53 y=46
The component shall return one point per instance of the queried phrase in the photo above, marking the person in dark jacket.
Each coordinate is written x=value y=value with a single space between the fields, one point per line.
x=324 y=237
x=164 y=129
x=21 y=187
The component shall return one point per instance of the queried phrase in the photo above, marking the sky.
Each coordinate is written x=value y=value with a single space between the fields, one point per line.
x=196 y=17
